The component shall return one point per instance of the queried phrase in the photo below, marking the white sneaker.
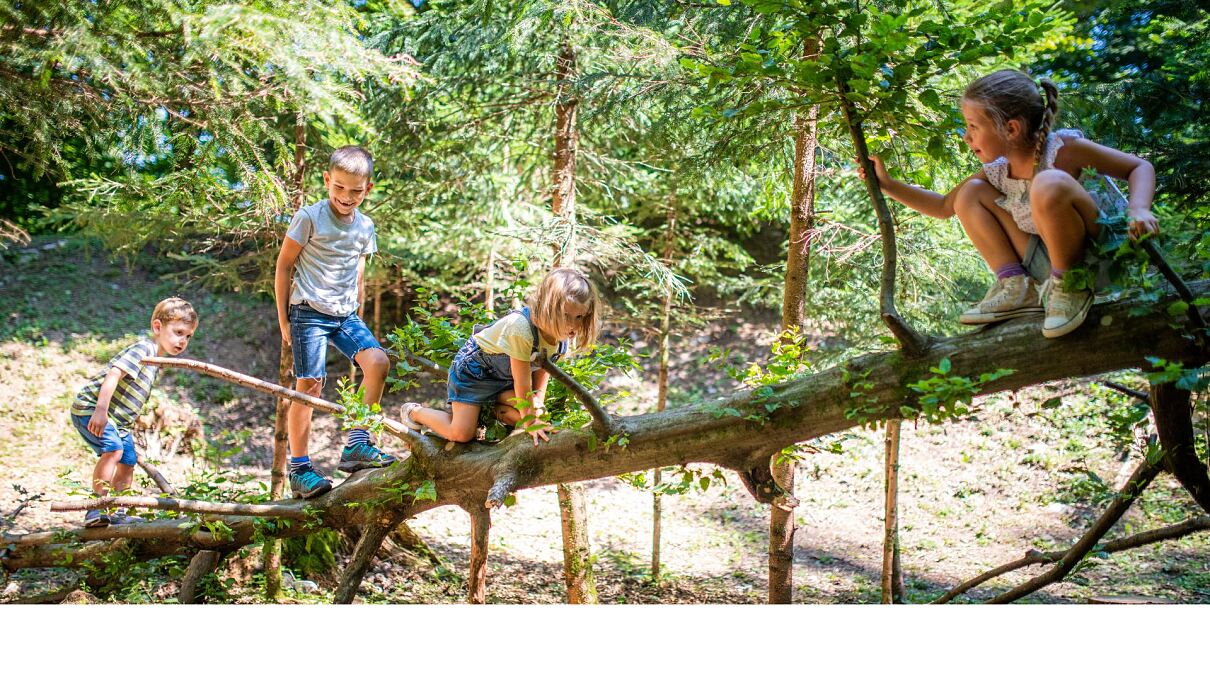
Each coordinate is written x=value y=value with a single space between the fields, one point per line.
x=1064 y=311
x=405 y=415
x=1006 y=299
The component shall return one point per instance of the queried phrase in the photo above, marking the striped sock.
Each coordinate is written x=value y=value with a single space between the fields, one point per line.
x=300 y=464
x=1009 y=270
x=358 y=436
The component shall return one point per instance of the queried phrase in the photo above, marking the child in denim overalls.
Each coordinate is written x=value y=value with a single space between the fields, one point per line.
x=497 y=367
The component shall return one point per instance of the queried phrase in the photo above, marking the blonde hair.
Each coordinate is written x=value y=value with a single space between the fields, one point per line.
x=352 y=159
x=1008 y=93
x=549 y=304
x=174 y=309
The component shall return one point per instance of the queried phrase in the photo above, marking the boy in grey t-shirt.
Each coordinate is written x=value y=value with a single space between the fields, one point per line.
x=326 y=249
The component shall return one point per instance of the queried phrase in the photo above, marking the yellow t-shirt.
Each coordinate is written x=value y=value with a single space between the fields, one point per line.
x=510 y=335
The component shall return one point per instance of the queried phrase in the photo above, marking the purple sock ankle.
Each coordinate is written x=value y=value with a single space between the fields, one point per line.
x=1014 y=269
x=1057 y=274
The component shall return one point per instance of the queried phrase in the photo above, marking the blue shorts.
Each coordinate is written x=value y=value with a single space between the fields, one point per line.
x=476 y=377
x=110 y=440
x=310 y=331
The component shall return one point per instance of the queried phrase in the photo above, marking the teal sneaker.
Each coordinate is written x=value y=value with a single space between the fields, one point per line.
x=307 y=483
x=363 y=456
x=95 y=518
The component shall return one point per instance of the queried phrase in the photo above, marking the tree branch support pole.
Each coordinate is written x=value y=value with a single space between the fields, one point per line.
x=892 y=576
x=661 y=398
x=372 y=536
x=577 y=568
x=204 y=562
x=285 y=364
x=476 y=581
x=793 y=310
x=910 y=341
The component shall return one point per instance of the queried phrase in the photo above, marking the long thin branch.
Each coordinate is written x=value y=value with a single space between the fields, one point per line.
x=602 y=423
x=184 y=505
x=911 y=341
x=1171 y=532
x=1128 y=391
x=1134 y=486
x=415 y=440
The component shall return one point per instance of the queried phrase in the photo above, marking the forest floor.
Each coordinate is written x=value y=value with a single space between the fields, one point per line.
x=1020 y=473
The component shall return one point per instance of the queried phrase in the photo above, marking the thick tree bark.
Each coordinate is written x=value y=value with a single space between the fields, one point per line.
x=577 y=565
x=203 y=563
x=794 y=297
x=811 y=406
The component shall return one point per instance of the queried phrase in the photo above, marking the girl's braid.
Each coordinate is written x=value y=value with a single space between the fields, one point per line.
x=1048 y=119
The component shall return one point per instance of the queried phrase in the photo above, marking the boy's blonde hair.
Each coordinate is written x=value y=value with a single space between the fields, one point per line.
x=174 y=309
x=352 y=159
x=549 y=303
x=1008 y=93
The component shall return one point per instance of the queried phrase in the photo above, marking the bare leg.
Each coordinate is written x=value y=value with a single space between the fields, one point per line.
x=374 y=366
x=103 y=472
x=298 y=418
x=990 y=228
x=457 y=426
x=1065 y=215
x=505 y=411
x=122 y=477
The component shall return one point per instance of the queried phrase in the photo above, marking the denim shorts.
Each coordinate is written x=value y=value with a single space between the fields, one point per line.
x=477 y=377
x=1036 y=260
x=110 y=440
x=310 y=331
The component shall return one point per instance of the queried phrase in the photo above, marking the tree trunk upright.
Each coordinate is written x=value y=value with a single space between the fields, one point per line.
x=563 y=195
x=802 y=232
x=892 y=575
x=281 y=448
x=577 y=565
x=661 y=399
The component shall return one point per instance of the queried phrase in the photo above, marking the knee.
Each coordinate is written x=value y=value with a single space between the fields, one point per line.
x=971 y=196
x=311 y=386
x=1050 y=188
x=374 y=361
x=463 y=436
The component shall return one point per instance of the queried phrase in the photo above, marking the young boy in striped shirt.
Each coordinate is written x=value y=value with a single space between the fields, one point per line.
x=106 y=408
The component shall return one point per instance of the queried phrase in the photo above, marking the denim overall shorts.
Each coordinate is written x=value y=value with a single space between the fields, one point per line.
x=477 y=377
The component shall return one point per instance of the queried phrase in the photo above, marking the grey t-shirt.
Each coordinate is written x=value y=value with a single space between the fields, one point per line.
x=325 y=274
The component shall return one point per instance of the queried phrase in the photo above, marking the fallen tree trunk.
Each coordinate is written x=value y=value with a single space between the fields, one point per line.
x=701 y=433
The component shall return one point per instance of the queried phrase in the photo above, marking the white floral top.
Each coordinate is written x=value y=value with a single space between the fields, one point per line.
x=1016 y=191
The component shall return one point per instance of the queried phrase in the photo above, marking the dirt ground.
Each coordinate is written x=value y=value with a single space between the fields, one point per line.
x=974 y=494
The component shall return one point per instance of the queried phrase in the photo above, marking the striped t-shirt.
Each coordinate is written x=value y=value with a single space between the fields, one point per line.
x=134 y=387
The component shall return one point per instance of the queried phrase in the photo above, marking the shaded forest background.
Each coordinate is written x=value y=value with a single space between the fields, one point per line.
x=180 y=135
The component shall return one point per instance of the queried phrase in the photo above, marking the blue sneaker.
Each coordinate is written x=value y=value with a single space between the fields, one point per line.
x=362 y=456
x=307 y=483
x=120 y=517
x=95 y=518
